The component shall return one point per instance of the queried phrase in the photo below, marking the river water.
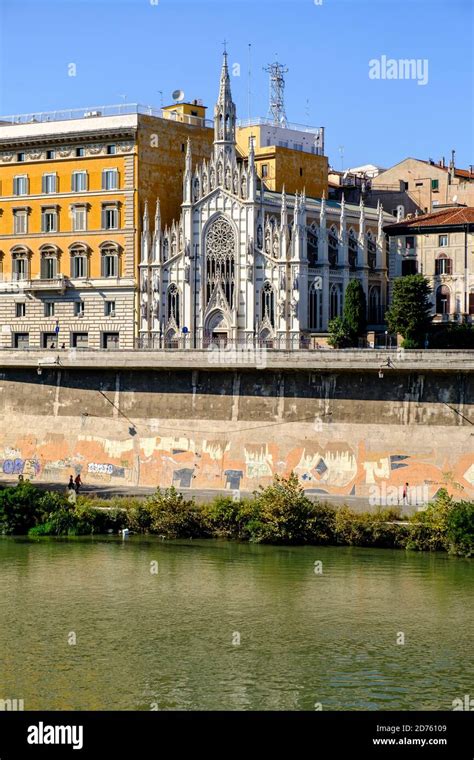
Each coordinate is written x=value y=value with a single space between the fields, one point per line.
x=215 y=625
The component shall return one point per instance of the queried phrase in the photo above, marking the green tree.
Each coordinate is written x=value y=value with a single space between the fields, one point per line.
x=339 y=333
x=409 y=313
x=355 y=310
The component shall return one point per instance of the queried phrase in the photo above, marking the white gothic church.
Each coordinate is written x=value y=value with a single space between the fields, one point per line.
x=245 y=265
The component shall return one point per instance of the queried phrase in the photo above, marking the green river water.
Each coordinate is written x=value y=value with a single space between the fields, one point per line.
x=170 y=640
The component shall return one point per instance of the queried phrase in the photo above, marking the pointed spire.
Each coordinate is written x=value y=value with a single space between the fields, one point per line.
x=252 y=152
x=188 y=155
x=342 y=220
x=252 y=175
x=322 y=211
x=188 y=174
x=157 y=216
x=361 y=218
x=380 y=221
x=296 y=211
x=145 y=241
x=284 y=211
x=157 y=232
x=224 y=114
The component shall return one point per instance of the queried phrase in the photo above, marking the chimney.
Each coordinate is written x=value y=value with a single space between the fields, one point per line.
x=443 y=163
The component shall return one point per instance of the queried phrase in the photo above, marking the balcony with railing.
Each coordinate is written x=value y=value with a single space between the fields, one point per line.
x=17 y=283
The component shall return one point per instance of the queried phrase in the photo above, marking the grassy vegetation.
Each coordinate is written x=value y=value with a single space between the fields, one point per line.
x=277 y=514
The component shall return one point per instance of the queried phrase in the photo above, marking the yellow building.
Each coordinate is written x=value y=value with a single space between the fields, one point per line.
x=72 y=187
x=291 y=156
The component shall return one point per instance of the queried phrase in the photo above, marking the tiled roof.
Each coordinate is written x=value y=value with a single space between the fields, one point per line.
x=457 y=172
x=446 y=217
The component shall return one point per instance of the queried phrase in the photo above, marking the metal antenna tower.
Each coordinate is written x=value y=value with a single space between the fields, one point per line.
x=276 y=109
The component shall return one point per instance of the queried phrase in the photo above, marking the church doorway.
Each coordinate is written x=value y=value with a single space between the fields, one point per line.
x=217 y=330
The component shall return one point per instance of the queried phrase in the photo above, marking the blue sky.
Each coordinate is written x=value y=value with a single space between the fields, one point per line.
x=137 y=48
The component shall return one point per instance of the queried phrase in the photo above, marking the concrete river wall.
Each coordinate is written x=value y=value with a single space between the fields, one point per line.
x=347 y=423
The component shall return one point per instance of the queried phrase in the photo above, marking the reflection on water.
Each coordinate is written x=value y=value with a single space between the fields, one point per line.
x=165 y=640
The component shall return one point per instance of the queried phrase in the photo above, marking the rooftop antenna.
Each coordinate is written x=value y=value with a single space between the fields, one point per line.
x=160 y=93
x=250 y=79
x=276 y=109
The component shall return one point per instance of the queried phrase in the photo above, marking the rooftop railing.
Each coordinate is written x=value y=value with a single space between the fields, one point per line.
x=265 y=122
x=93 y=112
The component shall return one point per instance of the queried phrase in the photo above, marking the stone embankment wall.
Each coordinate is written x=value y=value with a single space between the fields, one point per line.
x=343 y=431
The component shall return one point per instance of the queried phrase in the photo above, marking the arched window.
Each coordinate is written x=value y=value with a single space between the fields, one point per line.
x=173 y=303
x=268 y=303
x=371 y=251
x=110 y=260
x=79 y=261
x=352 y=249
x=49 y=262
x=335 y=300
x=333 y=247
x=312 y=245
x=20 y=262
x=374 y=305
x=443 y=265
x=315 y=305
x=220 y=252
x=443 y=300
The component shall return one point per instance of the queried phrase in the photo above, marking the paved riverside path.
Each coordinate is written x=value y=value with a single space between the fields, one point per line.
x=201 y=496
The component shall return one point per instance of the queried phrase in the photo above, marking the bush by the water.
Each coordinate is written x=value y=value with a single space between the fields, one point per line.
x=280 y=513
x=24 y=506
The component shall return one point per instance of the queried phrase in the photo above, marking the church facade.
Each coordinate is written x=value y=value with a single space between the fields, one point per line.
x=245 y=265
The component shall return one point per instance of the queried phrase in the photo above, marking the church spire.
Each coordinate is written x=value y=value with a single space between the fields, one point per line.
x=224 y=115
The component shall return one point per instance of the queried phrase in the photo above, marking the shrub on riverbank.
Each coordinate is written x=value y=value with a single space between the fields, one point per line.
x=173 y=516
x=284 y=515
x=23 y=506
x=370 y=529
x=280 y=513
x=429 y=528
x=460 y=532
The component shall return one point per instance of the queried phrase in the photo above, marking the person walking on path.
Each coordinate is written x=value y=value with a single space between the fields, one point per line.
x=78 y=482
x=71 y=485
x=405 y=494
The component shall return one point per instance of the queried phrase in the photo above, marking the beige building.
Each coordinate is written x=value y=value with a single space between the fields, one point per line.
x=423 y=186
x=439 y=246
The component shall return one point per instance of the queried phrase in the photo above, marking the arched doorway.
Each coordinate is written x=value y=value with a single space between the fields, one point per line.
x=216 y=329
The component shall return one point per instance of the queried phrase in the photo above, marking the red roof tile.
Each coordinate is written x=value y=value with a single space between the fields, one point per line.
x=447 y=216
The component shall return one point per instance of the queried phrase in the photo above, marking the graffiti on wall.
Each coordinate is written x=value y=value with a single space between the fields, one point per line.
x=29 y=468
x=349 y=465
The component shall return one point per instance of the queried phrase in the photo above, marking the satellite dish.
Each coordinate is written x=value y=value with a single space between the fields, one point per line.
x=178 y=95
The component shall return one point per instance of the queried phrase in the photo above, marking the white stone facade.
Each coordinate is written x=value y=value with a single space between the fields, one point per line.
x=243 y=264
